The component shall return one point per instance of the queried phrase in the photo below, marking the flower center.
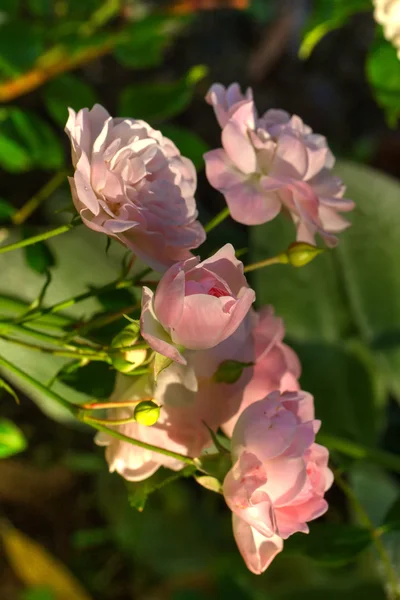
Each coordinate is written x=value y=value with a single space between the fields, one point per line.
x=218 y=293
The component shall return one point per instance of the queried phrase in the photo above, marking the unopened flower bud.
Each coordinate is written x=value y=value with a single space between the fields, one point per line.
x=147 y=413
x=128 y=360
x=301 y=253
x=128 y=336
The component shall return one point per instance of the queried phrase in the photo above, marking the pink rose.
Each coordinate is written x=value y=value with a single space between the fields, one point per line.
x=131 y=183
x=180 y=428
x=196 y=305
x=258 y=340
x=279 y=475
x=226 y=101
x=273 y=161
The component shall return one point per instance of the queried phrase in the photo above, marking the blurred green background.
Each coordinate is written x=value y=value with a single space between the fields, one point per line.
x=324 y=60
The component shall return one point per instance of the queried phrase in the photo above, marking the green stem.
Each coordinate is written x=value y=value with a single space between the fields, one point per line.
x=47 y=190
x=391 y=575
x=281 y=259
x=125 y=438
x=7 y=326
x=221 y=216
x=114 y=285
x=81 y=415
x=99 y=356
x=39 y=387
x=381 y=457
x=38 y=238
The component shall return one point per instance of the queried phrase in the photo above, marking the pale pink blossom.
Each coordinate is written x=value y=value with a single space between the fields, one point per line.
x=181 y=427
x=258 y=342
x=196 y=305
x=132 y=184
x=226 y=100
x=279 y=475
x=272 y=162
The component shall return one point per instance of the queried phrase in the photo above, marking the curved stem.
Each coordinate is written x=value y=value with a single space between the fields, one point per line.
x=29 y=207
x=39 y=386
x=80 y=354
x=221 y=216
x=281 y=259
x=125 y=438
x=114 y=285
x=38 y=238
x=81 y=415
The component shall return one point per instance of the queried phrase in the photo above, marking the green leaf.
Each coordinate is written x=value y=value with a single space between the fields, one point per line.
x=95 y=379
x=344 y=384
x=6 y=210
x=143 y=43
x=383 y=71
x=37 y=593
x=332 y=544
x=12 y=440
x=229 y=371
x=67 y=91
x=27 y=142
x=297 y=294
x=68 y=279
x=160 y=101
x=9 y=8
x=188 y=143
x=138 y=492
x=17 y=57
x=161 y=362
x=41 y=8
x=391 y=521
x=5 y=386
x=369 y=263
x=39 y=257
x=326 y=16
x=210 y=483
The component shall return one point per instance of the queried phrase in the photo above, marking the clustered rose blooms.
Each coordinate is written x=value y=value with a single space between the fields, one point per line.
x=279 y=476
x=196 y=305
x=274 y=162
x=132 y=183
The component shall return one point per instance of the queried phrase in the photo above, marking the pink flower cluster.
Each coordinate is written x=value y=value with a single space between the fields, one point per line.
x=132 y=183
x=273 y=162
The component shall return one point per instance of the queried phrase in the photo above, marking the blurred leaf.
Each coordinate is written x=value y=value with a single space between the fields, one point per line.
x=6 y=210
x=38 y=256
x=12 y=440
x=17 y=57
x=95 y=379
x=68 y=279
x=36 y=567
x=309 y=299
x=369 y=264
x=229 y=371
x=90 y=538
x=116 y=299
x=346 y=391
x=27 y=141
x=160 y=101
x=188 y=143
x=332 y=544
x=392 y=519
x=5 y=386
x=41 y=8
x=67 y=91
x=9 y=8
x=37 y=593
x=144 y=42
x=383 y=71
x=138 y=492
x=376 y=490
x=326 y=16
